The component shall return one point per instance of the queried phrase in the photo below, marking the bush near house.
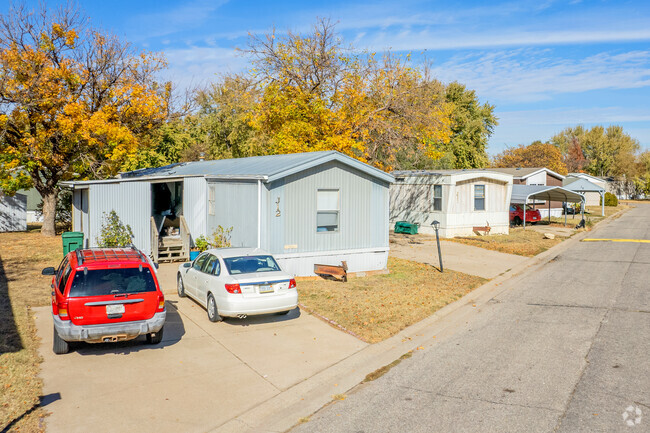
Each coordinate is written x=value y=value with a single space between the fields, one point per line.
x=114 y=233
x=610 y=199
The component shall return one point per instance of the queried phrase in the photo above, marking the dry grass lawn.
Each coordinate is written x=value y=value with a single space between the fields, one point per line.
x=522 y=242
x=529 y=243
x=379 y=306
x=22 y=257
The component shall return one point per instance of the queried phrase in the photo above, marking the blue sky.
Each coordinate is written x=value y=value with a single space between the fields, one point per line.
x=544 y=65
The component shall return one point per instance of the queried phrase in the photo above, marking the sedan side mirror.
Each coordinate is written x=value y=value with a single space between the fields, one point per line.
x=48 y=271
x=187 y=265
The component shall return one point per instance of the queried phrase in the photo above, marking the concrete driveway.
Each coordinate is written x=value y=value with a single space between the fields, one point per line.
x=458 y=257
x=201 y=376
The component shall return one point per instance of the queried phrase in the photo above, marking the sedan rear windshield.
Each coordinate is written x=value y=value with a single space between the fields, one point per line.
x=250 y=264
x=100 y=282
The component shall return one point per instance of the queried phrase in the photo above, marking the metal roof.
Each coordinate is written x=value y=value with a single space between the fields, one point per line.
x=583 y=185
x=440 y=172
x=524 y=172
x=587 y=176
x=268 y=168
x=522 y=193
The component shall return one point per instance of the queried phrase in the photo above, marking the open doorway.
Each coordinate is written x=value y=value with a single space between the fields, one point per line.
x=167 y=207
x=170 y=237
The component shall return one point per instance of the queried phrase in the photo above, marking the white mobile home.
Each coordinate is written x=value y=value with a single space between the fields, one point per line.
x=458 y=199
x=593 y=195
x=318 y=207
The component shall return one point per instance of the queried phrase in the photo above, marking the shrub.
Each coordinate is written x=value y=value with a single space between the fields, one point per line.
x=221 y=237
x=114 y=233
x=201 y=243
x=610 y=200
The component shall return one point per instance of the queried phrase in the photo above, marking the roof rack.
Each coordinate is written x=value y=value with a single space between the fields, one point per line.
x=115 y=253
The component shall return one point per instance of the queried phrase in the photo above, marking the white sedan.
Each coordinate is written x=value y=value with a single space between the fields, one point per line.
x=237 y=282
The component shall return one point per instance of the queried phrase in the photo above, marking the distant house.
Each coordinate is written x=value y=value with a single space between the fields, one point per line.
x=33 y=201
x=306 y=208
x=539 y=176
x=592 y=198
x=13 y=217
x=458 y=199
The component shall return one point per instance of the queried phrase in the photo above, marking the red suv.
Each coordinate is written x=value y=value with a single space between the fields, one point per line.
x=517 y=214
x=105 y=295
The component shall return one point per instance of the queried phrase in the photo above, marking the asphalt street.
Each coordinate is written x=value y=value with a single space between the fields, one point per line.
x=565 y=348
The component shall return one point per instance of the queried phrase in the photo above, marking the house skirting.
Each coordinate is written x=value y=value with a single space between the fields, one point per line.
x=451 y=232
x=359 y=260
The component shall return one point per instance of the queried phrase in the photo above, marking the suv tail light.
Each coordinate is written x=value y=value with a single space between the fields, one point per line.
x=233 y=288
x=62 y=308
x=161 y=303
x=292 y=283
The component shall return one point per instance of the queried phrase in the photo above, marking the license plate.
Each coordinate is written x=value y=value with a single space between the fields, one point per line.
x=114 y=309
x=266 y=288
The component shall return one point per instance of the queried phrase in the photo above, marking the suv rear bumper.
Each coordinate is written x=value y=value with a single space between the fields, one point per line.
x=68 y=331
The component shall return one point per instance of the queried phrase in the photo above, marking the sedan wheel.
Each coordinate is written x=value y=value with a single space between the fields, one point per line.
x=213 y=315
x=180 y=287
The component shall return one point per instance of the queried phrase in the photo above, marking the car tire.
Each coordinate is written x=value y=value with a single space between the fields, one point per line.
x=213 y=312
x=157 y=338
x=517 y=221
x=59 y=345
x=180 y=287
x=282 y=313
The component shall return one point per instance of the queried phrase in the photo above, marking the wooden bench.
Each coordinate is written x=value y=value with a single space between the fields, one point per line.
x=331 y=271
x=485 y=229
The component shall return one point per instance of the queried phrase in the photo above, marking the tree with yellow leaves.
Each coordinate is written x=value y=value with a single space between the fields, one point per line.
x=316 y=94
x=73 y=101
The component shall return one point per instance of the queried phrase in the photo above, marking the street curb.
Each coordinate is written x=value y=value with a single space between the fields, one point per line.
x=284 y=410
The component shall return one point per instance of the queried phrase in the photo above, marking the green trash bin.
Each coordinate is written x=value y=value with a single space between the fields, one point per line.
x=72 y=241
x=406 y=227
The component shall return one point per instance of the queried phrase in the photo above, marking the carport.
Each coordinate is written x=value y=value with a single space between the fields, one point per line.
x=583 y=186
x=521 y=194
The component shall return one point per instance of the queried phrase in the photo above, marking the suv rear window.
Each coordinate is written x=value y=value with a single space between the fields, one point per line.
x=101 y=282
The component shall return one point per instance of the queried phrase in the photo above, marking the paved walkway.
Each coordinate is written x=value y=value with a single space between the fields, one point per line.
x=459 y=257
x=561 y=348
x=201 y=376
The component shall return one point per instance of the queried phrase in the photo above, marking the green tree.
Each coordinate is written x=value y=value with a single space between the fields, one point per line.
x=608 y=151
x=472 y=125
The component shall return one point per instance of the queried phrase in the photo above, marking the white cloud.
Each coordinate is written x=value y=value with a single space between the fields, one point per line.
x=527 y=75
x=199 y=65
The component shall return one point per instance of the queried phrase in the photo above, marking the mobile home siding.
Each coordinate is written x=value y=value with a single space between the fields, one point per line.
x=195 y=198
x=13 y=213
x=235 y=206
x=361 y=223
x=131 y=201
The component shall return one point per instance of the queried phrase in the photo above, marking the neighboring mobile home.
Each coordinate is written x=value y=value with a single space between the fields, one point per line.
x=537 y=177
x=307 y=208
x=458 y=199
x=592 y=198
x=13 y=217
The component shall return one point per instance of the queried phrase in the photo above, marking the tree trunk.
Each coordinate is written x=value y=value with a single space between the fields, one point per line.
x=49 y=213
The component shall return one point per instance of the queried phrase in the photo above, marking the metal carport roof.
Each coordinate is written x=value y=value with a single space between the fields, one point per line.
x=522 y=193
x=583 y=185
